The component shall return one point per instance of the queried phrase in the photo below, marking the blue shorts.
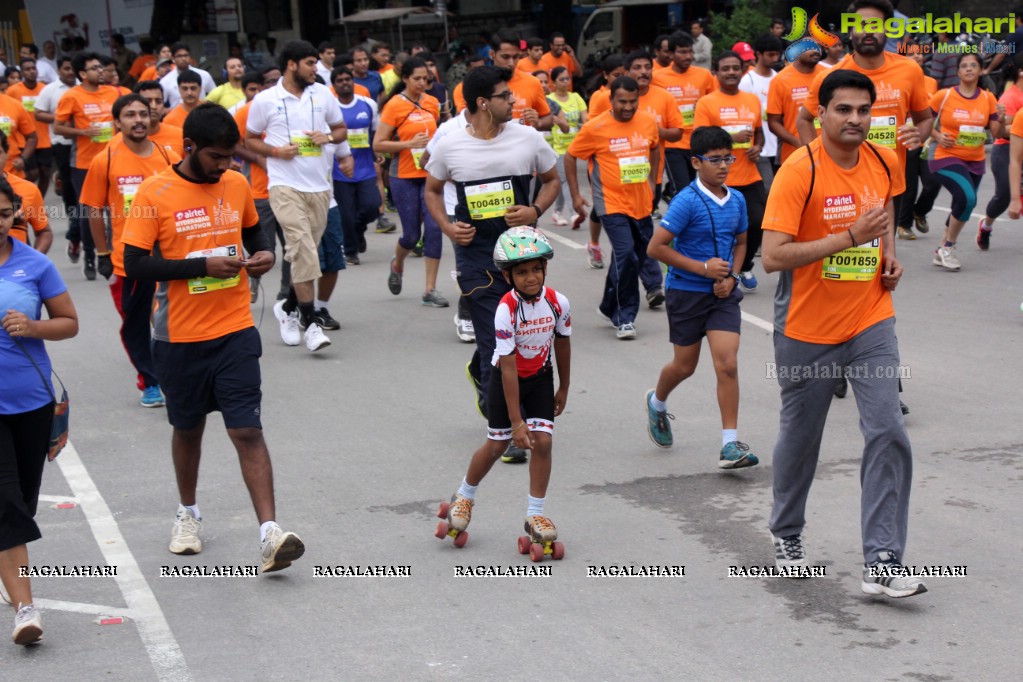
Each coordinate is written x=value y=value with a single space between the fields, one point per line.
x=332 y=244
x=221 y=375
x=692 y=314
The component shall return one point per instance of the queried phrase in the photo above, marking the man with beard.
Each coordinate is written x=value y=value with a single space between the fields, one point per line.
x=785 y=97
x=514 y=153
x=298 y=117
x=832 y=206
x=186 y=232
x=561 y=54
x=168 y=136
x=113 y=179
x=230 y=93
x=619 y=145
x=39 y=167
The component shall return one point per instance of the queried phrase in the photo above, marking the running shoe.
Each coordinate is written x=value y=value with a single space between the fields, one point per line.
x=434 y=299
x=322 y=317
x=841 y=388
x=90 y=267
x=477 y=386
x=394 y=280
x=983 y=235
x=74 y=251
x=920 y=223
x=655 y=298
x=748 y=281
x=559 y=220
x=945 y=256
x=906 y=233
x=280 y=549
x=736 y=455
x=290 y=332
x=362 y=243
x=626 y=331
x=514 y=455
x=314 y=337
x=28 y=625
x=417 y=250
x=385 y=226
x=463 y=327
x=353 y=259
x=578 y=221
x=152 y=397
x=595 y=256
x=657 y=426
x=888 y=577
x=788 y=551
x=185 y=535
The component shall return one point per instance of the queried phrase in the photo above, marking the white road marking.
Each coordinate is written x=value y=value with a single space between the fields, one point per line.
x=57 y=499
x=90 y=609
x=758 y=322
x=143 y=608
x=563 y=240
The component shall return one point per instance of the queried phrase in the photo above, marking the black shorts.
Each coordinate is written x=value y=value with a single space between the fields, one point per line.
x=221 y=375
x=691 y=315
x=42 y=159
x=536 y=396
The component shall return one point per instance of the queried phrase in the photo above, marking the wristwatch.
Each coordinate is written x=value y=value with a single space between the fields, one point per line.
x=734 y=276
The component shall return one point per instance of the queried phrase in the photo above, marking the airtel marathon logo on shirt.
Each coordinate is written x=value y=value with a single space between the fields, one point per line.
x=192 y=219
x=129 y=179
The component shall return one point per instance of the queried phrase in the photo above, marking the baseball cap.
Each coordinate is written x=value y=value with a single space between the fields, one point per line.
x=744 y=50
x=165 y=60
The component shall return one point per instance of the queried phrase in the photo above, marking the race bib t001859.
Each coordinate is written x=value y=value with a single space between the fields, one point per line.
x=202 y=285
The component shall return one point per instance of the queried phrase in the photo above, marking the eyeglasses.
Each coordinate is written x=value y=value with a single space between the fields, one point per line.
x=717 y=160
x=94 y=67
x=507 y=95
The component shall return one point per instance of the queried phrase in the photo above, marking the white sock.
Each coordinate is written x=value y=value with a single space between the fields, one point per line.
x=264 y=529
x=318 y=304
x=535 y=505
x=729 y=436
x=658 y=405
x=467 y=491
x=192 y=508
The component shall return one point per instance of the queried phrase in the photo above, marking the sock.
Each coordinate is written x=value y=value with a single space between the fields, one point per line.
x=594 y=244
x=467 y=491
x=984 y=225
x=535 y=505
x=658 y=405
x=729 y=436
x=291 y=302
x=194 y=508
x=306 y=313
x=949 y=244
x=319 y=305
x=265 y=528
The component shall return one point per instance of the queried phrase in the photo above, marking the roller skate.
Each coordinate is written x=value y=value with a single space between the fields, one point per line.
x=541 y=539
x=457 y=515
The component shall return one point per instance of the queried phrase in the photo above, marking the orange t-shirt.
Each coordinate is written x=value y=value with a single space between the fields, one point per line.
x=409 y=119
x=931 y=85
x=31 y=205
x=600 y=101
x=16 y=124
x=686 y=88
x=785 y=97
x=658 y=67
x=141 y=63
x=901 y=89
x=257 y=174
x=176 y=116
x=115 y=184
x=169 y=137
x=81 y=108
x=549 y=61
x=527 y=65
x=966 y=120
x=149 y=74
x=619 y=155
x=186 y=219
x=20 y=92
x=656 y=102
x=733 y=113
x=831 y=300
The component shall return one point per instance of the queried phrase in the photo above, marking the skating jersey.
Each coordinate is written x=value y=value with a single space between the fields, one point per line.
x=528 y=329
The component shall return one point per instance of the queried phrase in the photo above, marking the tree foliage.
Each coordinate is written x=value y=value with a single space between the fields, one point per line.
x=746 y=20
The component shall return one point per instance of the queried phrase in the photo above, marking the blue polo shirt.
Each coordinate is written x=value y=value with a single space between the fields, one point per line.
x=361 y=119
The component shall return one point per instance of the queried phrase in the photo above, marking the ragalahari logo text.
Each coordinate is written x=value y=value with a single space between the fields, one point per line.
x=818 y=39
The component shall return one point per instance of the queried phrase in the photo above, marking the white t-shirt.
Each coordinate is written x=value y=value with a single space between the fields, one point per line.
x=285 y=119
x=169 y=83
x=47 y=101
x=323 y=72
x=45 y=73
x=448 y=126
x=758 y=85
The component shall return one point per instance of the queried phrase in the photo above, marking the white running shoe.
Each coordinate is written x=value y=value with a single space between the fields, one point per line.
x=290 y=332
x=315 y=339
x=280 y=549
x=466 y=332
x=945 y=256
x=185 y=535
x=626 y=331
x=28 y=625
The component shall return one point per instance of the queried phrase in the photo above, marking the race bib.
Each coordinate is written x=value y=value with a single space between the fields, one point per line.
x=489 y=199
x=203 y=285
x=128 y=195
x=633 y=169
x=883 y=131
x=306 y=146
x=732 y=130
x=816 y=123
x=358 y=138
x=29 y=103
x=971 y=136
x=106 y=131
x=417 y=154
x=5 y=125
x=688 y=112
x=855 y=264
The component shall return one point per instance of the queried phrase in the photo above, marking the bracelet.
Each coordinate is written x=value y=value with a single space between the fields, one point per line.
x=518 y=427
x=100 y=254
x=538 y=211
x=852 y=238
x=704 y=268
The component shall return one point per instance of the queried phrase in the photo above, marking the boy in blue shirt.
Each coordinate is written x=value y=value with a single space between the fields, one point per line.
x=700 y=239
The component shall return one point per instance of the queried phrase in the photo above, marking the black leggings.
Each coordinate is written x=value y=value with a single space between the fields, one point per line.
x=1000 y=167
x=756 y=202
x=24 y=442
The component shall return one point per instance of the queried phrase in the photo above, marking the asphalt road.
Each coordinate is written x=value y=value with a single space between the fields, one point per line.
x=370 y=434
